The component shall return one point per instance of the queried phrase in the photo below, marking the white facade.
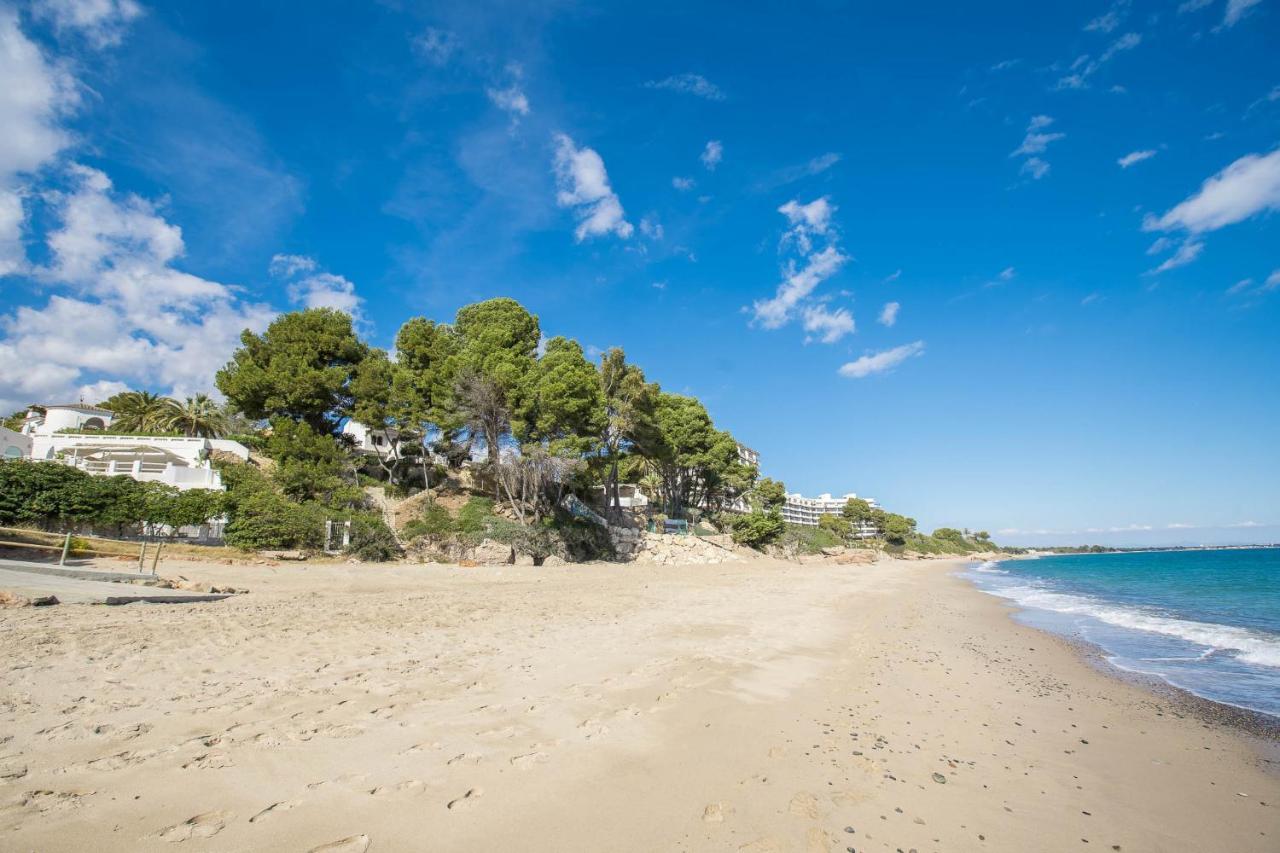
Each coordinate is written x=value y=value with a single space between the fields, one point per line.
x=366 y=440
x=801 y=510
x=175 y=461
x=629 y=496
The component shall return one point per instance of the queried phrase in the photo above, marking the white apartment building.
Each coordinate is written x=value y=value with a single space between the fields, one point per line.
x=72 y=433
x=801 y=510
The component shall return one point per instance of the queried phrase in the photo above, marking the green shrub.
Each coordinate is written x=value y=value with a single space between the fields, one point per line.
x=371 y=540
x=810 y=540
x=757 y=529
x=264 y=519
x=434 y=523
x=581 y=540
x=475 y=519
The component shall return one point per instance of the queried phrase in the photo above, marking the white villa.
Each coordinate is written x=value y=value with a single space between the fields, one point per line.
x=801 y=510
x=73 y=433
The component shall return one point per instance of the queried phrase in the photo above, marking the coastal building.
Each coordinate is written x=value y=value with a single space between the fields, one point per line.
x=78 y=435
x=379 y=442
x=801 y=510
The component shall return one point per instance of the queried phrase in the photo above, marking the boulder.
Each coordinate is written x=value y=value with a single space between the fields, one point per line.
x=553 y=560
x=492 y=553
x=524 y=560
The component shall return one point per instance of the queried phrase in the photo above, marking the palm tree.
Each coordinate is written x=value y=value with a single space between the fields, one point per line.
x=139 y=411
x=198 y=416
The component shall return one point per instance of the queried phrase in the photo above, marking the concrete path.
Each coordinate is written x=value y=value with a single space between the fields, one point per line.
x=34 y=581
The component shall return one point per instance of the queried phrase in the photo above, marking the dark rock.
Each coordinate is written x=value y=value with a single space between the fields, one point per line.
x=44 y=601
x=939 y=778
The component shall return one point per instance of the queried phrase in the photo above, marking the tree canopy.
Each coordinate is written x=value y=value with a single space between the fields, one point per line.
x=300 y=368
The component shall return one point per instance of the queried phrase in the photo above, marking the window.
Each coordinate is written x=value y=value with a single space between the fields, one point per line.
x=13 y=453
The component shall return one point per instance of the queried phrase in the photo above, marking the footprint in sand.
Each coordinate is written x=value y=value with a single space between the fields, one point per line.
x=425 y=746
x=209 y=761
x=466 y=801
x=715 y=812
x=204 y=825
x=354 y=844
x=804 y=805
x=526 y=761
x=408 y=786
x=273 y=810
x=345 y=779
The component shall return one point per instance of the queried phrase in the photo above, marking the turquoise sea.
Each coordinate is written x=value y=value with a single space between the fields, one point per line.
x=1205 y=621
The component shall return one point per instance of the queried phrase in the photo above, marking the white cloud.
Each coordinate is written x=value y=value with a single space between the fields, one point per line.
x=1091 y=298
x=1161 y=245
x=583 y=184
x=102 y=22
x=1007 y=273
x=1272 y=282
x=1236 y=10
x=308 y=287
x=1193 y=5
x=1187 y=252
x=1249 y=186
x=689 y=84
x=35 y=96
x=682 y=184
x=511 y=100
x=889 y=314
x=1085 y=67
x=326 y=290
x=651 y=228
x=893 y=276
x=287 y=266
x=791 y=174
x=880 y=362
x=1135 y=157
x=807 y=221
x=796 y=285
x=13 y=255
x=829 y=326
x=127 y=314
x=1035 y=142
x=712 y=154
x=1109 y=20
x=1035 y=167
x=436 y=45
x=1240 y=286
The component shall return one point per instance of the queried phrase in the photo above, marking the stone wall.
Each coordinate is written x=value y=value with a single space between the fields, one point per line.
x=640 y=546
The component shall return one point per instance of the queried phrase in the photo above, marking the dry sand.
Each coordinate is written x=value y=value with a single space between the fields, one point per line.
x=760 y=707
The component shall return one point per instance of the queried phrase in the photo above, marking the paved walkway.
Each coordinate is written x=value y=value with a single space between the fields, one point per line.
x=73 y=586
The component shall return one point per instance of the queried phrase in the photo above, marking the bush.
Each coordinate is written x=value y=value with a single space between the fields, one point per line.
x=372 y=541
x=265 y=519
x=434 y=523
x=475 y=519
x=757 y=529
x=582 y=540
x=809 y=540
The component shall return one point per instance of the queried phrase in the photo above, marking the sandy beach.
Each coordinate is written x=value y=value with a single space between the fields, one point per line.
x=756 y=707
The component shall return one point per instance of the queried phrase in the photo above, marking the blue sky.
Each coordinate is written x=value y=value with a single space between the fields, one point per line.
x=1007 y=266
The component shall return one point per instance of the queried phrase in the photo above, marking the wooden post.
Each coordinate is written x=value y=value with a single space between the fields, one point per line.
x=156 y=559
x=142 y=557
x=66 y=546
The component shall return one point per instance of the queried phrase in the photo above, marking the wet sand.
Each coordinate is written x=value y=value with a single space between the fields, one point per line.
x=755 y=707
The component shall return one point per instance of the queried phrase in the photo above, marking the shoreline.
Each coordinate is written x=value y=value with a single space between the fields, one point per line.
x=761 y=707
x=1255 y=723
